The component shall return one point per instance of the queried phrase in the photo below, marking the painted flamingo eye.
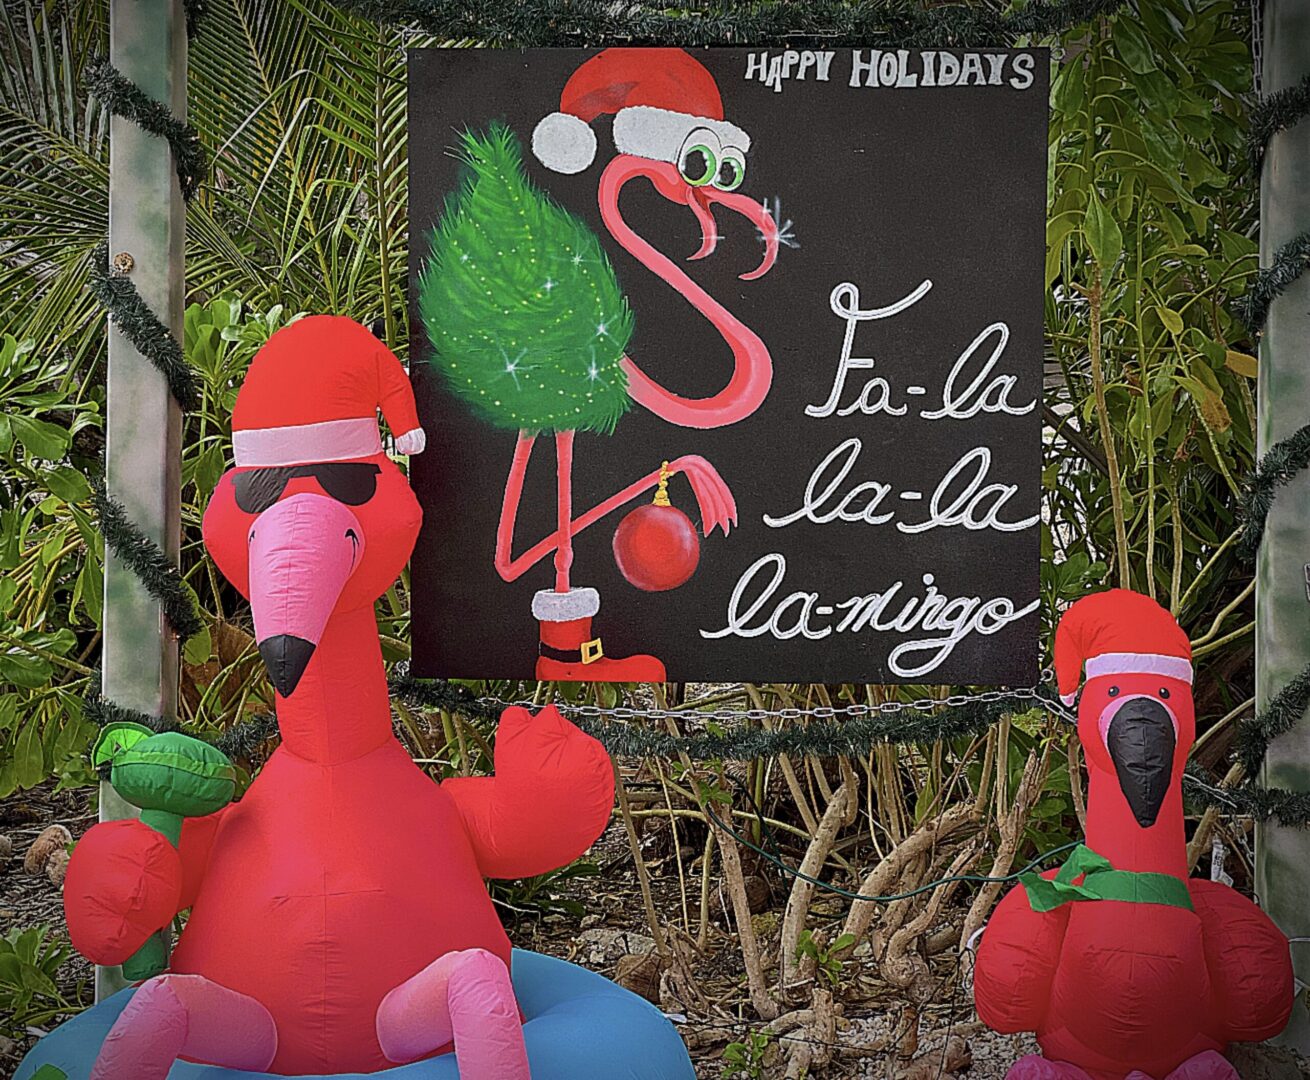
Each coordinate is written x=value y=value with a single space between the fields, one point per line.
x=1113 y=691
x=1164 y=691
x=732 y=171
x=698 y=165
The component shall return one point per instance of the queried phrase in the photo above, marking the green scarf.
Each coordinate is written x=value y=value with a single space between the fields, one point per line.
x=1101 y=881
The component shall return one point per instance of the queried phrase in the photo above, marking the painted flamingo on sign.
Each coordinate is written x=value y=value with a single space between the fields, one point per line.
x=529 y=326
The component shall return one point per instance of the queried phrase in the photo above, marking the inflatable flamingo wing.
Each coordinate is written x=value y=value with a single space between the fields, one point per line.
x=548 y=801
x=124 y=883
x=1247 y=959
x=1017 y=961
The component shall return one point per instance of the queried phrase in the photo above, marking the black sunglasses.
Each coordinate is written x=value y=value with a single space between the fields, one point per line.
x=349 y=482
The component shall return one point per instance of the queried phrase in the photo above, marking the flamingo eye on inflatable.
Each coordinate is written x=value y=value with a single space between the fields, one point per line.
x=1113 y=691
x=1164 y=691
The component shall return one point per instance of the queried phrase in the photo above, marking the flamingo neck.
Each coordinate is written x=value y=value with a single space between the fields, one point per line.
x=1112 y=830
x=752 y=366
x=340 y=710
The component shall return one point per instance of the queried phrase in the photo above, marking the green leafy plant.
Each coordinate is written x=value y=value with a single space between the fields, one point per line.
x=541 y=895
x=50 y=557
x=826 y=959
x=749 y=1057
x=30 y=961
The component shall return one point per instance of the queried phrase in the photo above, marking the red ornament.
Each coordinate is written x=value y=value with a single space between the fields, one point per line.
x=656 y=545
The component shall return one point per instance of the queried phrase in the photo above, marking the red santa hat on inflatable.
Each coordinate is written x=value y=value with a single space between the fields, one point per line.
x=1118 y=632
x=312 y=395
x=659 y=98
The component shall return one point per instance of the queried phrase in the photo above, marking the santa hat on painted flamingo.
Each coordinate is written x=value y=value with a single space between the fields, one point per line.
x=1118 y=632
x=659 y=99
x=312 y=395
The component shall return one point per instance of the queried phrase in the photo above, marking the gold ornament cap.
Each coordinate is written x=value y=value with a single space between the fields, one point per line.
x=662 y=492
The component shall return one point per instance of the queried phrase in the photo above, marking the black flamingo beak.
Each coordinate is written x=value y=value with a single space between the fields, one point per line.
x=1141 y=742
x=286 y=657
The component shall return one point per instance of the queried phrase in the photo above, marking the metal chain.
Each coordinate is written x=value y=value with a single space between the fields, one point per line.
x=1040 y=694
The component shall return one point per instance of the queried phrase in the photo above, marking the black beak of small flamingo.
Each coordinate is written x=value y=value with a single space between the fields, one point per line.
x=1141 y=742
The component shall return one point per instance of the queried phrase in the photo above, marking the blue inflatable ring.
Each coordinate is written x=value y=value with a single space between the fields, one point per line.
x=580 y=1026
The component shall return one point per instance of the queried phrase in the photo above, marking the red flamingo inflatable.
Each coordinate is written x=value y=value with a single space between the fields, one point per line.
x=1123 y=965
x=339 y=921
x=669 y=128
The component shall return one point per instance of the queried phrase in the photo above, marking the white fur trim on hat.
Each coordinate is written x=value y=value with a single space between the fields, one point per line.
x=564 y=142
x=1126 y=663
x=1069 y=699
x=304 y=444
x=655 y=133
x=551 y=606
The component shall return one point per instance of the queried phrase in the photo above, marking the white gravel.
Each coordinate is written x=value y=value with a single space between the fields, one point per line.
x=992 y=1054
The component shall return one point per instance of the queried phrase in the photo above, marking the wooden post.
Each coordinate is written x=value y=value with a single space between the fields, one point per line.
x=147 y=43
x=1283 y=570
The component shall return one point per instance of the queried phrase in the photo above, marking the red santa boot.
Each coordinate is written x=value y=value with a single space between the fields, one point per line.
x=569 y=652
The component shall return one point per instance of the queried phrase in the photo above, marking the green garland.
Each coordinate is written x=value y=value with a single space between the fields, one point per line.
x=787 y=23
x=1280 y=463
x=101 y=711
x=824 y=738
x=1290 y=809
x=1278 y=112
x=821 y=738
x=1290 y=262
x=146 y=559
x=141 y=326
x=438 y=694
x=1278 y=717
x=195 y=10
x=243 y=740
x=124 y=98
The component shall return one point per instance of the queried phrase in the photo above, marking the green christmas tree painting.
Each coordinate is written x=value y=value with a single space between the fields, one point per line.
x=529 y=326
x=515 y=285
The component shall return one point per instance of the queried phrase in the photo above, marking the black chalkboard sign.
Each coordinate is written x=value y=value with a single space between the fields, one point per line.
x=857 y=427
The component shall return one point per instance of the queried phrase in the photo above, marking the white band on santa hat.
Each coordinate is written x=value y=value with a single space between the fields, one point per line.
x=1127 y=663
x=305 y=444
x=655 y=133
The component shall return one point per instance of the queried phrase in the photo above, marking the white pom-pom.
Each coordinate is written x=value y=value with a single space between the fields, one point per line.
x=412 y=442
x=564 y=143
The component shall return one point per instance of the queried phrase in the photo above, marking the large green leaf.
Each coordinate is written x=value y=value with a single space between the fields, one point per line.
x=1104 y=237
x=1134 y=48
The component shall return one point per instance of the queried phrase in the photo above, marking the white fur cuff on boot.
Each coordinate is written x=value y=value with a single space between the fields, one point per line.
x=551 y=606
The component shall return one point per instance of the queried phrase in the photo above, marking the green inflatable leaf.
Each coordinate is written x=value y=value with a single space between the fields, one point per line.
x=174 y=773
x=115 y=738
